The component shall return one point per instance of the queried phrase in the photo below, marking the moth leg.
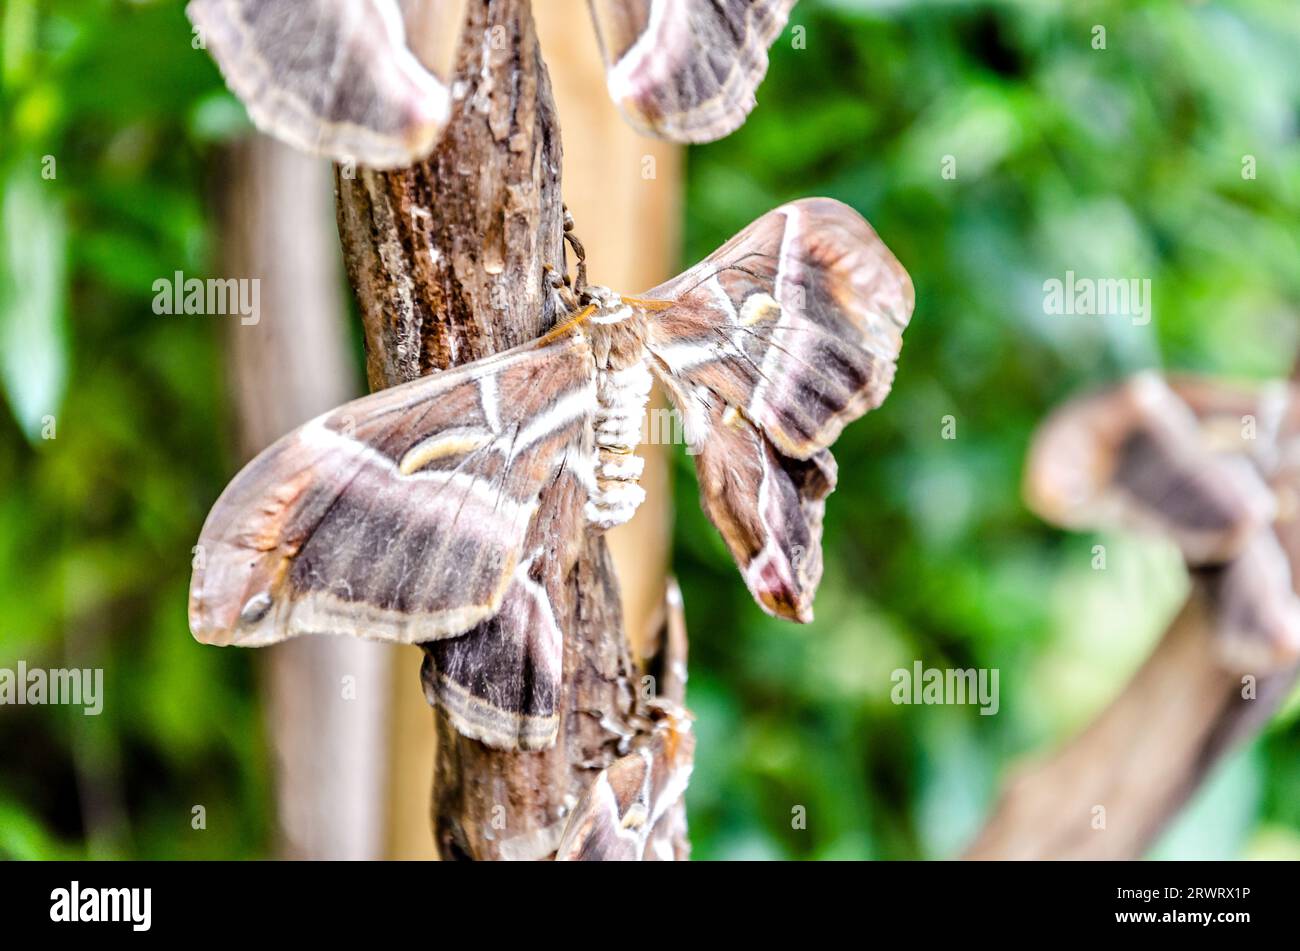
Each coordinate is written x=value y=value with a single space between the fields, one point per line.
x=580 y=285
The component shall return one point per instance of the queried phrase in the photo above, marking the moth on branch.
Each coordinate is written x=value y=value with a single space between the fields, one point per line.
x=463 y=510
x=1211 y=467
x=416 y=513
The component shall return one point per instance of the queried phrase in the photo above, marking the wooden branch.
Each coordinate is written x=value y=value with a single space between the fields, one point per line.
x=287 y=367
x=447 y=262
x=1108 y=793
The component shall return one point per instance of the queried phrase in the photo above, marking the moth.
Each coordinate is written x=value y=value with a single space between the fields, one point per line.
x=336 y=77
x=632 y=811
x=422 y=511
x=1214 y=468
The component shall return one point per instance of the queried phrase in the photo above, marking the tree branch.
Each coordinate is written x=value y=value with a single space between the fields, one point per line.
x=447 y=262
x=1140 y=760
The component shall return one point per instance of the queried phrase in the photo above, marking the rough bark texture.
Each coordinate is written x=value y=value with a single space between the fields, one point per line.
x=1146 y=754
x=286 y=368
x=447 y=262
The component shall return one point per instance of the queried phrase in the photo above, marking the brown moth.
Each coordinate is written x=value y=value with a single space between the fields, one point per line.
x=332 y=77
x=1213 y=467
x=687 y=70
x=415 y=514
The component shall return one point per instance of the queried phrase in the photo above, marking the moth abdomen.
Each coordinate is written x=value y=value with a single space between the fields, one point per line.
x=622 y=389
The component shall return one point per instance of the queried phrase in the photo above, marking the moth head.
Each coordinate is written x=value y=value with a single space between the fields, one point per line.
x=599 y=294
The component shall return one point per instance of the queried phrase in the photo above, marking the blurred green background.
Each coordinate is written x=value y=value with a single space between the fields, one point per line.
x=1121 y=162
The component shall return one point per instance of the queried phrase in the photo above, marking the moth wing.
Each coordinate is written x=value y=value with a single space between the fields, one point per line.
x=768 y=508
x=630 y=812
x=500 y=682
x=333 y=77
x=1256 y=610
x=797 y=322
x=771 y=346
x=401 y=516
x=1135 y=456
x=687 y=70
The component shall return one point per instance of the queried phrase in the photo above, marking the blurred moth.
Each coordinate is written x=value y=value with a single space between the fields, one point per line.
x=419 y=512
x=1214 y=468
x=337 y=77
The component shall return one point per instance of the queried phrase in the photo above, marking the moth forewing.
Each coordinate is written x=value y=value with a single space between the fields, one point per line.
x=797 y=321
x=401 y=516
x=332 y=77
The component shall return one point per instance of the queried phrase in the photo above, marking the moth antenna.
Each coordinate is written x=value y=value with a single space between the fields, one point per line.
x=559 y=330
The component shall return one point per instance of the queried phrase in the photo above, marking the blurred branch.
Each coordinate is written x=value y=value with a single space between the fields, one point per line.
x=325 y=698
x=1108 y=793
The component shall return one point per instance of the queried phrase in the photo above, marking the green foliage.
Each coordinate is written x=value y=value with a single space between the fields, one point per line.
x=1123 y=162
x=121 y=446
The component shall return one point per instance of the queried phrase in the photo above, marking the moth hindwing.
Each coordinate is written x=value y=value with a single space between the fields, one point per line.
x=687 y=70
